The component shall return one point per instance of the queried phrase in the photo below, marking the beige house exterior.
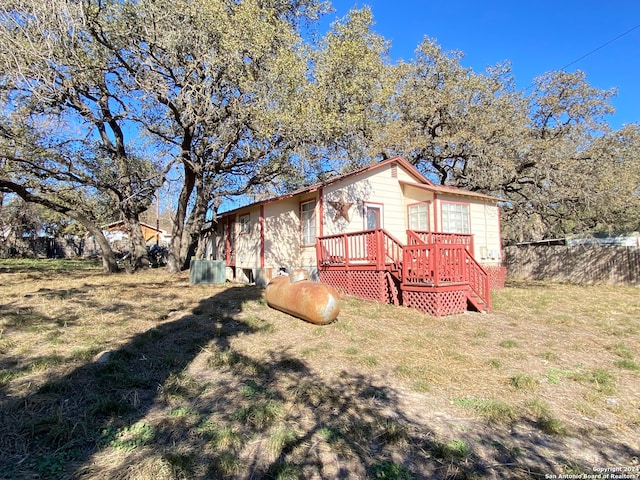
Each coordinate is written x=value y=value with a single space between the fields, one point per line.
x=279 y=234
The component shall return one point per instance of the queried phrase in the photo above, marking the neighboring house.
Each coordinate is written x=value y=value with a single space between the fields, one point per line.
x=384 y=233
x=117 y=233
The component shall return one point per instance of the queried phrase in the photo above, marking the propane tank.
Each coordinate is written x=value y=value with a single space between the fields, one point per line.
x=311 y=301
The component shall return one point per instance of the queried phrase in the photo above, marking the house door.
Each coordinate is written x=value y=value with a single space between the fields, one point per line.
x=372 y=221
x=372 y=216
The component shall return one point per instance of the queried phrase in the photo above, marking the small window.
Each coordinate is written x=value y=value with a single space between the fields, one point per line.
x=308 y=222
x=372 y=216
x=244 y=224
x=419 y=217
x=455 y=218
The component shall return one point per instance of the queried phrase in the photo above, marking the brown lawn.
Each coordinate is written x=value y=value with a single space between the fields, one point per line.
x=146 y=376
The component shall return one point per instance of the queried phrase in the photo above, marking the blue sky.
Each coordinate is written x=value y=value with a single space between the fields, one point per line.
x=536 y=37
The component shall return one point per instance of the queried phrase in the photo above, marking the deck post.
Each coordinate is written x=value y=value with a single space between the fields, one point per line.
x=319 y=259
x=345 y=239
x=435 y=261
x=380 y=254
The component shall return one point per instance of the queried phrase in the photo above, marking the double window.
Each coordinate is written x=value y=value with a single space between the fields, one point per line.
x=455 y=218
x=308 y=222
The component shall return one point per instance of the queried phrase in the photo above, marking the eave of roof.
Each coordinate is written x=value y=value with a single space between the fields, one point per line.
x=422 y=182
x=443 y=189
x=121 y=222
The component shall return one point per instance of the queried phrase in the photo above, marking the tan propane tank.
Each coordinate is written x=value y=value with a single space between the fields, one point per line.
x=311 y=301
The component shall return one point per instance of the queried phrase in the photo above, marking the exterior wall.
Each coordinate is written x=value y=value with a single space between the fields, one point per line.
x=376 y=186
x=282 y=233
x=217 y=247
x=484 y=223
x=414 y=196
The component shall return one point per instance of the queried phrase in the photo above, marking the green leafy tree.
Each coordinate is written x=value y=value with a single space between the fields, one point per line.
x=220 y=81
x=62 y=89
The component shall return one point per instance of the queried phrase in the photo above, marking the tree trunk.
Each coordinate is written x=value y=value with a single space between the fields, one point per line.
x=175 y=263
x=109 y=263
x=195 y=224
x=137 y=244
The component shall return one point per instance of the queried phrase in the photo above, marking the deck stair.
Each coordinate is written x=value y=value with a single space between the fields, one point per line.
x=435 y=273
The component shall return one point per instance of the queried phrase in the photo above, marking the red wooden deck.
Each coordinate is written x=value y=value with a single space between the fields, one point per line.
x=436 y=273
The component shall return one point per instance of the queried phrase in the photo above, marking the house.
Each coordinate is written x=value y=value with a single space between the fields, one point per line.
x=384 y=232
x=117 y=234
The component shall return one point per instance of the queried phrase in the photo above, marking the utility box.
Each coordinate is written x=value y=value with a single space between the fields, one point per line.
x=207 y=271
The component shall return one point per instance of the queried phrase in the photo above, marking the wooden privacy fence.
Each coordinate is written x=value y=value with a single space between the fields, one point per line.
x=581 y=265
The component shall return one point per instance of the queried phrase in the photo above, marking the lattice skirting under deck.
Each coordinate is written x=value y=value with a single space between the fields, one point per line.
x=497 y=276
x=366 y=284
x=379 y=286
x=436 y=302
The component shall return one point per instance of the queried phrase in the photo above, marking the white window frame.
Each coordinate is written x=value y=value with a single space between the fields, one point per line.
x=373 y=206
x=308 y=222
x=416 y=214
x=455 y=217
x=245 y=223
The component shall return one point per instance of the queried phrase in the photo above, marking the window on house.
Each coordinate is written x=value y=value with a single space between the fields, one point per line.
x=372 y=216
x=419 y=217
x=308 y=222
x=455 y=218
x=244 y=223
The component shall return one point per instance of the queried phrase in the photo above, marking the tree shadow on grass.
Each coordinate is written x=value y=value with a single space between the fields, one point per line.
x=67 y=418
x=183 y=401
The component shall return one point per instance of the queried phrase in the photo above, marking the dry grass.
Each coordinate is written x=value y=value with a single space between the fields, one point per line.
x=146 y=376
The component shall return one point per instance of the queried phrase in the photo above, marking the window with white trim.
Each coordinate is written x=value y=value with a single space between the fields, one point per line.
x=455 y=218
x=419 y=217
x=308 y=222
x=245 y=223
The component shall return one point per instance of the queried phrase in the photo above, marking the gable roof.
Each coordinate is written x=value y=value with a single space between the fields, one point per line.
x=421 y=182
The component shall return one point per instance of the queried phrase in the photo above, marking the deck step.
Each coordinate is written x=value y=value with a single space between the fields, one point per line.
x=476 y=302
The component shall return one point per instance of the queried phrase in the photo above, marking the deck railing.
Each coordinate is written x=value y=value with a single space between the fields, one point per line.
x=439 y=264
x=434 y=264
x=370 y=247
x=416 y=237
x=478 y=280
x=446 y=259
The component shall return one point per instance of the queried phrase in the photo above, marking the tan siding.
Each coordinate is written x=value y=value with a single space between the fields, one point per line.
x=414 y=195
x=375 y=186
x=282 y=233
x=404 y=176
x=485 y=225
x=218 y=248
x=484 y=222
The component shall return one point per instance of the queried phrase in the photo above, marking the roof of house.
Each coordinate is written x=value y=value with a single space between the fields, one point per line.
x=120 y=223
x=444 y=189
x=422 y=182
